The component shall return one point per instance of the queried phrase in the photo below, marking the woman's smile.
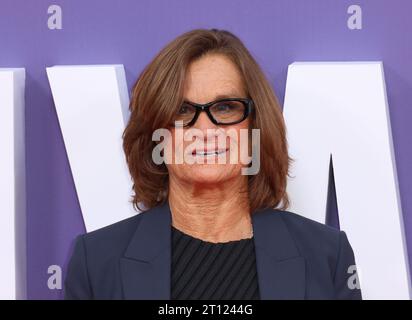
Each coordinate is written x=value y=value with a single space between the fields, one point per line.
x=209 y=152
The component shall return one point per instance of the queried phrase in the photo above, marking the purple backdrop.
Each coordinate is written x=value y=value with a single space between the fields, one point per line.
x=130 y=32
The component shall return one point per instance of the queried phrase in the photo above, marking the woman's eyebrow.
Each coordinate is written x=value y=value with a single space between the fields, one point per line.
x=225 y=96
x=222 y=96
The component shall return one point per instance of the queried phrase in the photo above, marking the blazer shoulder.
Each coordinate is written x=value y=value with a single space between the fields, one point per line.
x=296 y=220
x=320 y=243
x=311 y=236
x=111 y=240
x=94 y=261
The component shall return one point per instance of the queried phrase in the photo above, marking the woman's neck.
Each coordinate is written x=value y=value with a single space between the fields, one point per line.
x=214 y=213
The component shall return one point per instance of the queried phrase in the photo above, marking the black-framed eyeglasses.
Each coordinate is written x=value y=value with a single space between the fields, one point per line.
x=221 y=112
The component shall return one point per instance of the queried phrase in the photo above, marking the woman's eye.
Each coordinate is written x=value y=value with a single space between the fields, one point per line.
x=223 y=107
x=184 y=110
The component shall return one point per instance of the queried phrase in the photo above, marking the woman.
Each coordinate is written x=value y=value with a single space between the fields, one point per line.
x=207 y=230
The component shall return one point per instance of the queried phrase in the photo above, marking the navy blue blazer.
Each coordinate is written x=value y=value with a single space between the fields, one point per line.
x=296 y=258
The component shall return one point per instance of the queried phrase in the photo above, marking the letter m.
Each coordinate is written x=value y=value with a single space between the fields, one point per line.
x=339 y=134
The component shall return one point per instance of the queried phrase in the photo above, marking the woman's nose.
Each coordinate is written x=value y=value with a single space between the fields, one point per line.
x=203 y=122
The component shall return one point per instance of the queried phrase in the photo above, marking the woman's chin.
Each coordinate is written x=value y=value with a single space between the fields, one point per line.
x=211 y=174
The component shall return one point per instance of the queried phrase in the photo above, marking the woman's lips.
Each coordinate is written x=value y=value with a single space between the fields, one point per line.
x=208 y=153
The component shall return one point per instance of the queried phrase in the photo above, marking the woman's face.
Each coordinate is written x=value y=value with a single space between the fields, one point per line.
x=209 y=78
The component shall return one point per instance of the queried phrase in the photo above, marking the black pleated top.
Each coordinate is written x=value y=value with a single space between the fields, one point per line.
x=216 y=271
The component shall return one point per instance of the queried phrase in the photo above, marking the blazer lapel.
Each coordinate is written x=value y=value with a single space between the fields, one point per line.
x=145 y=267
x=280 y=268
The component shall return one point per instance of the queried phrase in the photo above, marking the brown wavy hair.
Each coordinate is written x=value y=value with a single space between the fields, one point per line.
x=157 y=96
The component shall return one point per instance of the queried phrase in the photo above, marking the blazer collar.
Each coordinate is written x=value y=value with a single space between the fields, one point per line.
x=145 y=266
